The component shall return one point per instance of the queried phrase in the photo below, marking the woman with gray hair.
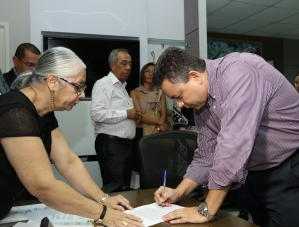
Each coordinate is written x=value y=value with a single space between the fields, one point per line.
x=30 y=138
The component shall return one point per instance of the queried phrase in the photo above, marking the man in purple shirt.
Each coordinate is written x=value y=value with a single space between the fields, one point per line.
x=247 y=116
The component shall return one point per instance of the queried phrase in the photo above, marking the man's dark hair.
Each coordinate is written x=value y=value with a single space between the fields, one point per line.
x=297 y=74
x=250 y=50
x=141 y=76
x=20 y=52
x=174 y=64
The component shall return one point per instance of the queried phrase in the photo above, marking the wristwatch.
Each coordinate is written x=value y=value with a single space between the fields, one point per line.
x=203 y=210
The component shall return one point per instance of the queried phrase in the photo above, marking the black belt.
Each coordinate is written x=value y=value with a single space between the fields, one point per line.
x=122 y=140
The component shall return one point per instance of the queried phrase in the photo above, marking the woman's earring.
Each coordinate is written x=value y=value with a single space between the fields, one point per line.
x=52 y=99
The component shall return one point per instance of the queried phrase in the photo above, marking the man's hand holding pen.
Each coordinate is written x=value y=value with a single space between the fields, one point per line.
x=168 y=197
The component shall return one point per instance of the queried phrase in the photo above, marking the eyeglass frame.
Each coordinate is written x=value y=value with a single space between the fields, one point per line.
x=79 y=87
x=28 y=64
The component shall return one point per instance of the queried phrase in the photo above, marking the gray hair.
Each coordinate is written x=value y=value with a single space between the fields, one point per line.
x=174 y=64
x=59 y=61
x=113 y=55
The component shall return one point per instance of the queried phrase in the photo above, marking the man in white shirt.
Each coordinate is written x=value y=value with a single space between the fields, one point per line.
x=114 y=116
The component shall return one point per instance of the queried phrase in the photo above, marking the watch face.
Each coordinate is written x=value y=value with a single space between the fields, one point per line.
x=202 y=207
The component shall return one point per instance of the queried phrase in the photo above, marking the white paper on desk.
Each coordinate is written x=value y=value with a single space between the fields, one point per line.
x=21 y=224
x=36 y=212
x=151 y=214
x=18 y=213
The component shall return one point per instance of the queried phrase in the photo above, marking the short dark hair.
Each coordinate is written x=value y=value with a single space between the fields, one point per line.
x=20 y=52
x=250 y=50
x=297 y=74
x=141 y=75
x=174 y=64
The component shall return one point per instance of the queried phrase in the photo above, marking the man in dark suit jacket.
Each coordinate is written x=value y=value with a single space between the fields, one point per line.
x=3 y=86
x=25 y=58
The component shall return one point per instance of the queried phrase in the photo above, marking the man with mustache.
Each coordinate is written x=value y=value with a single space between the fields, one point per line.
x=113 y=112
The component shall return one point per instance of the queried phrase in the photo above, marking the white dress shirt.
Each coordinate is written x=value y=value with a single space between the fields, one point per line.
x=109 y=102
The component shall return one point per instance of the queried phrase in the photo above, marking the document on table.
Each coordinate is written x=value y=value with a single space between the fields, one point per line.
x=33 y=214
x=151 y=214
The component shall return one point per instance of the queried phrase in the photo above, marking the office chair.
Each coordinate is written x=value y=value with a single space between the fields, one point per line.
x=171 y=151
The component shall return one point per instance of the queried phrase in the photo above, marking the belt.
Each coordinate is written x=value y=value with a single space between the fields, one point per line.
x=122 y=140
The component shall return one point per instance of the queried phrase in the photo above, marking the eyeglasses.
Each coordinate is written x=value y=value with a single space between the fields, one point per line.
x=28 y=64
x=79 y=87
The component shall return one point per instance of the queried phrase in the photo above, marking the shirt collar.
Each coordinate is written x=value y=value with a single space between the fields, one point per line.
x=115 y=80
x=15 y=71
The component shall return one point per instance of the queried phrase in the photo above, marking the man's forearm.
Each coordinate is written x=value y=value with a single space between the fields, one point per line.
x=186 y=186
x=215 y=199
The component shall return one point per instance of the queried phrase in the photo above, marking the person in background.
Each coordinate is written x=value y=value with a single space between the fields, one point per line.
x=25 y=58
x=183 y=118
x=145 y=98
x=296 y=83
x=30 y=138
x=3 y=86
x=246 y=113
x=113 y=112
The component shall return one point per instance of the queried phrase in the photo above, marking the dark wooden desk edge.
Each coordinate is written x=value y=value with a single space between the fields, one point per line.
x=142 y=197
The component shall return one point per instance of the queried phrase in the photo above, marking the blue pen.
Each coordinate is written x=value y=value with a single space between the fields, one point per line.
x=164 y=182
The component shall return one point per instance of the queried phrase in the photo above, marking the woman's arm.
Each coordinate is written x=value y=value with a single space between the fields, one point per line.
x=29 y=159
x=146 y=119
x=163 y=107
x=71 y=167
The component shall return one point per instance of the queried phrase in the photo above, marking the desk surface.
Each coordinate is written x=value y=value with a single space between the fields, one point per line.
x=142 y=197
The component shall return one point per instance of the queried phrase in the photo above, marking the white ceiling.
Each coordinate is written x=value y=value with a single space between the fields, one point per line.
x=270 y=18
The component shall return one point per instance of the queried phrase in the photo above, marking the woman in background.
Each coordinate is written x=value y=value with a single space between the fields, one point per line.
x=30 y=138
x=146 y=98
x=183 y=118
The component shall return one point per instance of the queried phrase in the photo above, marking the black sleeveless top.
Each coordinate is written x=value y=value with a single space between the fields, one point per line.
x=18 y=117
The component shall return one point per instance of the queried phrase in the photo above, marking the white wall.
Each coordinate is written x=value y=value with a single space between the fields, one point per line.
x=16 y=13
x=138 y=18
x=4 y=47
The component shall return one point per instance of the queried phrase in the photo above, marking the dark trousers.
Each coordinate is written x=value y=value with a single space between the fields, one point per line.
x=136 y=160
x=115 y=159
x=242 y=198
x=273 y=194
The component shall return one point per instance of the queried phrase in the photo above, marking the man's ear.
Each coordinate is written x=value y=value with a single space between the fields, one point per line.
x=15 y=60
x=112 y=66
x=194 y=75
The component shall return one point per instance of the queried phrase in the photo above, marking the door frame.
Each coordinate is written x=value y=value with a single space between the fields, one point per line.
x=5 y=26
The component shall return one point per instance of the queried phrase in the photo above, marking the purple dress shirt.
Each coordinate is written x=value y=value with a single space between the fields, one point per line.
x=250 y=121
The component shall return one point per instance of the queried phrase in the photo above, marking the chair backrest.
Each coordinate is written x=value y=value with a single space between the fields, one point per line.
x=172 y=151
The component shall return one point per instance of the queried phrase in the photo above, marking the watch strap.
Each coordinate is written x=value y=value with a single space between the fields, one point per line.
x=203 y=210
